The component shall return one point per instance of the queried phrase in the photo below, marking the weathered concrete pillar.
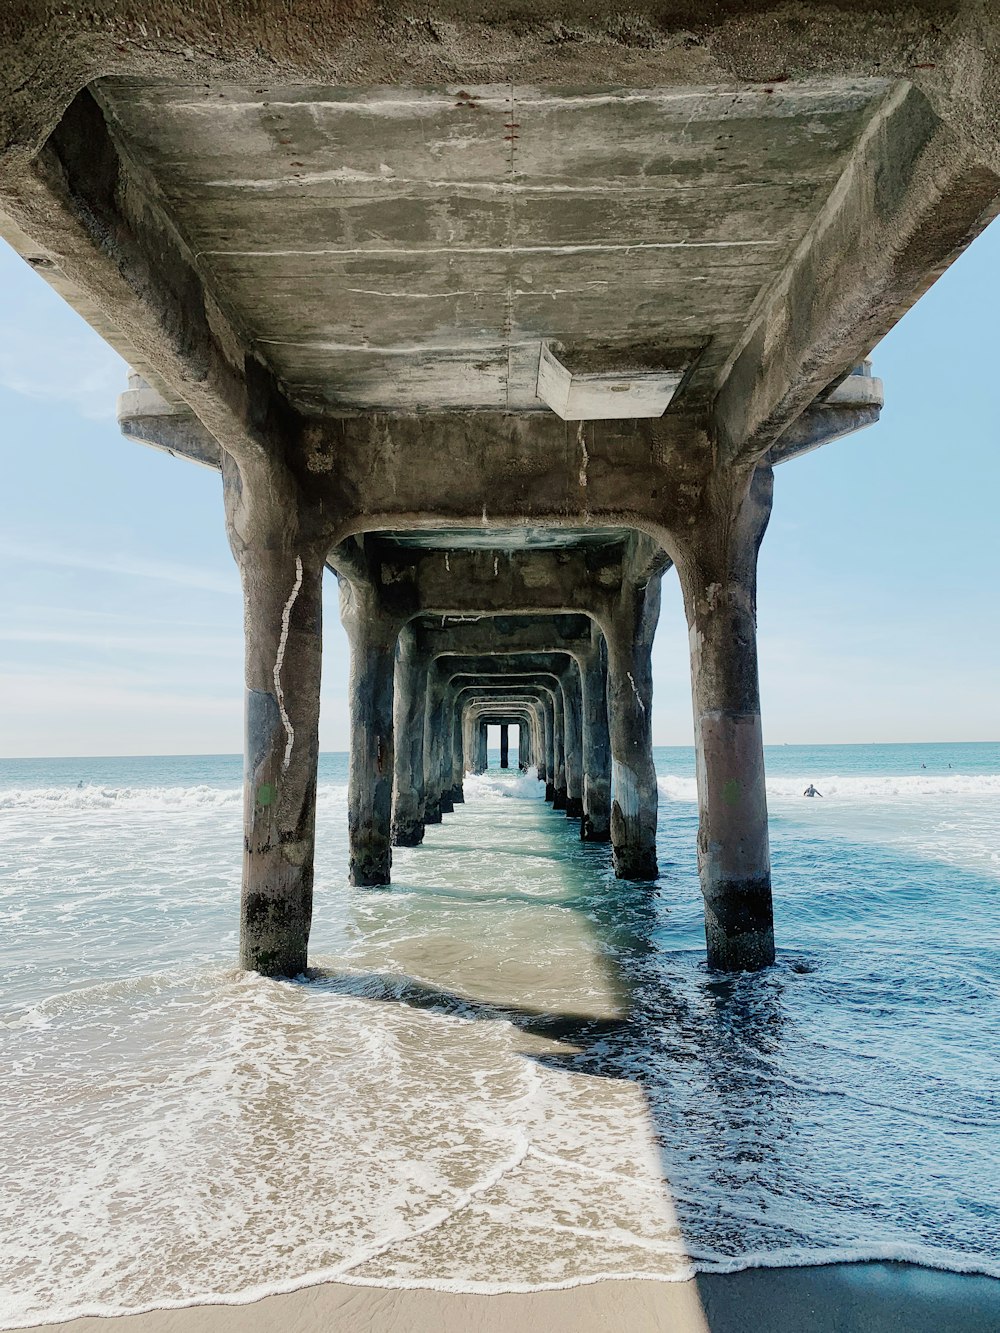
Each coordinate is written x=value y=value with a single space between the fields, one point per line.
x=547 y=772
x=372 y=635
x=409 y=707
x=596 y=823
x=433 y=716
x=717 y=565
x=482 y=739
x=524 y=759
x=445 y=739
x=457 y=771
x=282 y=578
x=572 y=704
x=558 y=750
x=471 y=726
x=630 y=702
x=504 y=745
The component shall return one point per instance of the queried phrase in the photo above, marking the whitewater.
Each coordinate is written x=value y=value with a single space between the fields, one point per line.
x=507 y=1070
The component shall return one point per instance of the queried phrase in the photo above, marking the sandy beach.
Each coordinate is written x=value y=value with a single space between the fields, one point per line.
x=833 y=1298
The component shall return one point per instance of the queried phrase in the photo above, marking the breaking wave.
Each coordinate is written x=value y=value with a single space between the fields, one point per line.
x=849 y=788
x=149 y=800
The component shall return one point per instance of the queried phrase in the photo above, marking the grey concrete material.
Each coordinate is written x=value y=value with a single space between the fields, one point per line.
x=909 y=190
x=499 y=634
x=475 y=582
x=511 y=638
x=437 y=748
x=321 y=241
x=282 y=588
x=961 y=98
x=146 y=417
x=596 y=739
x=850 y=406
x=546 y=770
x=409 y=707
x=480 y=709
x=90 y=207
x=504 y=745
x=241 y=242
x=623 y=473
x=471 y=743
x=630 y=705
x=506 y=470
x=433 y=718
x=718 y=581
x=372 y=636
x=573 y=738
x=553 y=672
x=457 y=793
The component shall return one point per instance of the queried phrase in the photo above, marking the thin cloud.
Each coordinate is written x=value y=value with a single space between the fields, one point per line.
x=76 y=369
x=165 y=644
x=128 y=566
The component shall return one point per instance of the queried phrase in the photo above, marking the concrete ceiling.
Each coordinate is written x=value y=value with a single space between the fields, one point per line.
x=522 y=538
x=408 y=249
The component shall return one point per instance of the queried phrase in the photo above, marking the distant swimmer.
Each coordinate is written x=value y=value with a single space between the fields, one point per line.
x=811 y=791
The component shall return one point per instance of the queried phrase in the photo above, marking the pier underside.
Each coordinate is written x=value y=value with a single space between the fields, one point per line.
x=503 y=318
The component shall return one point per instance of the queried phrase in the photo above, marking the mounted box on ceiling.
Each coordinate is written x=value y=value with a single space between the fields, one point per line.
x=601 y=395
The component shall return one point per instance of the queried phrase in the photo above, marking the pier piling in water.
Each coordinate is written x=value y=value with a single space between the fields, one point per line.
x=628 y=355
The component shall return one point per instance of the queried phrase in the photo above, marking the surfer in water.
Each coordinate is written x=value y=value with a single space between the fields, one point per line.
x=811 y=791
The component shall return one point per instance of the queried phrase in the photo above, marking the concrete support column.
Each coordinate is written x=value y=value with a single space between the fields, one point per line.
x=718 y=572
x=433 y=715
x=558 y=750
x=409 y=707
x=445 y=739
x=282 y=580
x=524 y=759
x=573 y=740
x=630 y=704
x=547 y=771
x=457 y=758
x=470 y=739
x=504 y=745
x=596 y=823
x=372 y=635
x=482 y=741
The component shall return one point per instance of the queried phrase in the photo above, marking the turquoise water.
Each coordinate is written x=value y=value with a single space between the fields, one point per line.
x=509 y=1070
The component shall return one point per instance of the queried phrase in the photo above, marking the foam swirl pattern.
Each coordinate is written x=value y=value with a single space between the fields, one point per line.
x=508 y=1070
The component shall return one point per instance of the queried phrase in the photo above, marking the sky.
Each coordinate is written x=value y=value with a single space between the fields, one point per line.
x=878 y=607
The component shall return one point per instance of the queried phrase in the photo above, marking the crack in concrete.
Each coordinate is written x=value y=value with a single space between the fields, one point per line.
x=407 y=252
x=635 y=691
x=286 y=616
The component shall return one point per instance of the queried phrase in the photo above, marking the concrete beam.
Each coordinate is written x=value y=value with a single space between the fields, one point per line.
x=94 y=218
x=911 y=197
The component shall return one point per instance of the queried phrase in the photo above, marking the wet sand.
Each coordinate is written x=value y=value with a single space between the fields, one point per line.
x=833 y=1298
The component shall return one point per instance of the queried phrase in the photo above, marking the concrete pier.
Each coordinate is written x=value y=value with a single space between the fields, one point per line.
x=630 y=713
x=372 y=636
x=500 y=426
x=409 y=709
x=719 y=579
x=504 y=745
x=282 y=593
x=596 y=739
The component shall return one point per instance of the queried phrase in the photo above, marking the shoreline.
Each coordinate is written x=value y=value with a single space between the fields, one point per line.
x=859 y=1297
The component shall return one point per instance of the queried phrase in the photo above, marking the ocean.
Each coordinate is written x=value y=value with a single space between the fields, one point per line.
x=508 y=1071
